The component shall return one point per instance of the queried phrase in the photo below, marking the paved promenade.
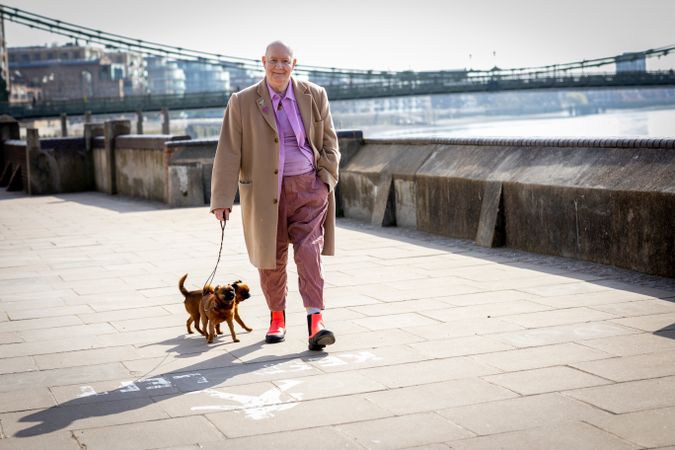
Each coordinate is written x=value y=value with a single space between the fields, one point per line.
x=440 y=343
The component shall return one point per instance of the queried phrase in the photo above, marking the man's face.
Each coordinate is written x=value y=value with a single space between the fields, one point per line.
x=279 y=64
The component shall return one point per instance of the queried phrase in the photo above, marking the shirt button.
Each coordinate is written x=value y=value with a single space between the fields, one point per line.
x=275 y=201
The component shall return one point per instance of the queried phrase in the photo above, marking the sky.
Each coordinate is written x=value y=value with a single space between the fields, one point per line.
x=379 y=34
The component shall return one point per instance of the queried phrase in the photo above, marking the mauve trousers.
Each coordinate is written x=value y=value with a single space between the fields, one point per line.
x=303 y=204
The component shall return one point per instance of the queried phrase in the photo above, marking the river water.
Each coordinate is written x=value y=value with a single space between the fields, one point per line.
x=621 y=122
x=639 y=122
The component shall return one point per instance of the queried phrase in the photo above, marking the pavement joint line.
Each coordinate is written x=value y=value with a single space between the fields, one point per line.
x=609 y=432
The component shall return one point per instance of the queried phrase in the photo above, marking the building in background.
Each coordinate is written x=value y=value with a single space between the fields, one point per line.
x=22 y=91
x=242 y=77
x=135 y=72
x=66 y=72
x=631 y=62
x=204 y=77
x=165 y=77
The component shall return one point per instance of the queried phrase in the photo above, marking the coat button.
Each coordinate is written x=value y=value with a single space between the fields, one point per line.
x=276 y=172
x=276 y=140
x=275 y=201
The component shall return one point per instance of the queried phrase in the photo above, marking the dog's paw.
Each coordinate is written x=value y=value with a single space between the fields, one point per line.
x=248 y=329
x=236 y=339
x=191 y=332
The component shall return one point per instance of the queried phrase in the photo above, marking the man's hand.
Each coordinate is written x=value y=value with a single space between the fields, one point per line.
x=222 y=214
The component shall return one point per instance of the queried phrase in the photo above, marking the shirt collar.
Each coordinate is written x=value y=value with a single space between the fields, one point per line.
x=289 y=94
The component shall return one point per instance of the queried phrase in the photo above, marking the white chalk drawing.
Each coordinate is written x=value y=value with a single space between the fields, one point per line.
x=196 y=377
x=128 y=386
x=258 y=407
x=346 y=359
x=323 y=361
x=145 y=384
x=254 y=407
x=276 y=369
x=87 y=391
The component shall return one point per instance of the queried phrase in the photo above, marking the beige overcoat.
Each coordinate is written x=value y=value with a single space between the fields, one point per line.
x=247 y=157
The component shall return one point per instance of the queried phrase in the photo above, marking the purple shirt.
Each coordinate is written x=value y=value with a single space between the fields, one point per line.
x=296 y=157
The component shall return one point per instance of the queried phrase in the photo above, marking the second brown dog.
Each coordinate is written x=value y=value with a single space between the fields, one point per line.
x=221 y=305
x=191 y=302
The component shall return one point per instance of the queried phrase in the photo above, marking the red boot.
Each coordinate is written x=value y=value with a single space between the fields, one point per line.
x=277 y=331
x=319 y=336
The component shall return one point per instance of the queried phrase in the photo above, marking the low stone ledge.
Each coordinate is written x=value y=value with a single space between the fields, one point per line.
x=146 y=141
x=604 y=200
x=613 y=142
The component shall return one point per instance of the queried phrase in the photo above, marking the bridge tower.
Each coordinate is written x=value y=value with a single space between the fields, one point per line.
x=4 y=63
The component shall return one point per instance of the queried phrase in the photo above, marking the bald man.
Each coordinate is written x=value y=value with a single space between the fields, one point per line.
x=278 y=146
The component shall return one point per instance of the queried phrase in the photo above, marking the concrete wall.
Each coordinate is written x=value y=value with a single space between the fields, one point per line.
x=189 y=172
x=190 y=163
x=605 y=200
x=12 y=155
x=139 y=166
x=99 y=163
x=57 y=165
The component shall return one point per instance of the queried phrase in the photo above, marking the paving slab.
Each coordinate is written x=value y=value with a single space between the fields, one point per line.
x=579 y=436
x=440 y=343
x=544 y=356
x=149 y=434
x=329 y=438
x=404 y=431
x=652 y=428
x=630 y=396
x=522 y=413
x=297 y=416
x=434 y=396
x=628 y=368
x=634 y=344
x=547 y=379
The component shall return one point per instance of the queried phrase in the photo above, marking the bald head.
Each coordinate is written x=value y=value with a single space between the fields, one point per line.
x=278 y=46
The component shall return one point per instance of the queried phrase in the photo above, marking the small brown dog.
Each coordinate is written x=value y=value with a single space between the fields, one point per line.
x=191 y=302
x=221 y=306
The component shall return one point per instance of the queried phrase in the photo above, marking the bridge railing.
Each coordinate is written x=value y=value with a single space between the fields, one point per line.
x=361 y=88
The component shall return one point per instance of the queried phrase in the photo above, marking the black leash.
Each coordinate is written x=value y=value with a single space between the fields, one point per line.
x=222 y=237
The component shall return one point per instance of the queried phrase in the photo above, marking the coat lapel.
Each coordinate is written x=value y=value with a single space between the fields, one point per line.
x=304 y=99
x=264 y=103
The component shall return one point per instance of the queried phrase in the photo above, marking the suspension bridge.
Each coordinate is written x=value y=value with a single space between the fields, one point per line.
x=341 y=84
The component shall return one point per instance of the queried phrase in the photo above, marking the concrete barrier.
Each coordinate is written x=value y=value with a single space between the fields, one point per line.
x=57 y=165
x=140 y=169
x=189 y=165
x=605 y=200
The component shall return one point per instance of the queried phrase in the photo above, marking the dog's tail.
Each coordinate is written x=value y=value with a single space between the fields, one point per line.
x=181 y=286
x=207 y=289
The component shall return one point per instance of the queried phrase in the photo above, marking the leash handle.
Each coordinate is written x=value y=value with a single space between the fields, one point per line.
x=220 y=250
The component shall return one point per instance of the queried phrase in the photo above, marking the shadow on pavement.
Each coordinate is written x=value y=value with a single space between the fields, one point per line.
x=667 y=331
x=159 y=387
